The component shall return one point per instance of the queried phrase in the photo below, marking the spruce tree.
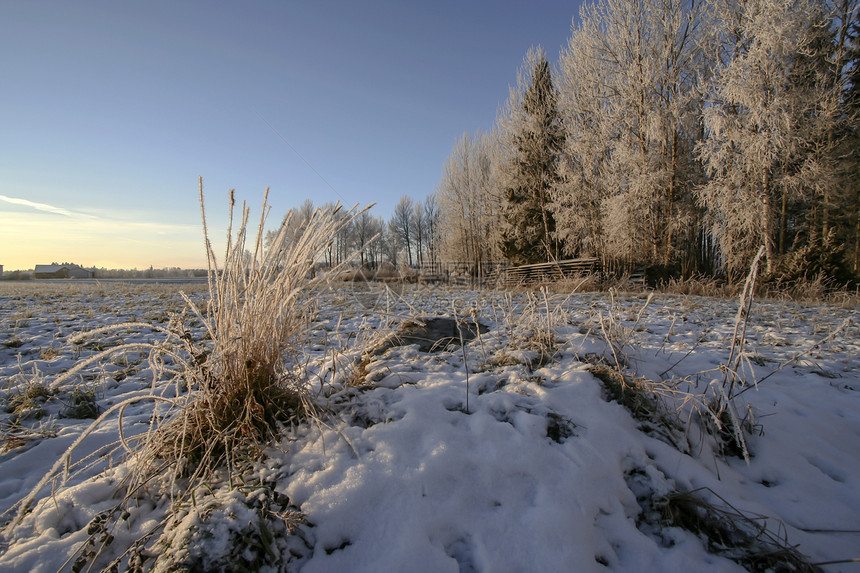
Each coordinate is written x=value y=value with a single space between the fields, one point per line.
x=537 y=140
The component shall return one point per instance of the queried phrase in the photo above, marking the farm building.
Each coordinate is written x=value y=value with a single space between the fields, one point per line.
x=64 y=271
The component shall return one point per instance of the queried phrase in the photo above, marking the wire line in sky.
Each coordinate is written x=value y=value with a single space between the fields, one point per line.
x=275 y=131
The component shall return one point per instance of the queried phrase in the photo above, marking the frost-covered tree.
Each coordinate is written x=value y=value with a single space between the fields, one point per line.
x=840 y=209
x=376 y=249
x=468 y=207
x=534 y=136
x=420 y=231
x=432 y=217
x=390 y=245
x=577 y=201
x=402 y=224
x=769 y=124
x=295 y=220
x=629 y=99
x=364 y=229
x=332 y=249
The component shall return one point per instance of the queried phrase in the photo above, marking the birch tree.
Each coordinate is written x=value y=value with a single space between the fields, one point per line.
x=420 y=233
x=584 y=93
x=769 y=126
x=403 y=225
x=295 y=220
x=365 y=231
x=628 y=80
x=376 y=249
x=469 y=219
x=432 y=218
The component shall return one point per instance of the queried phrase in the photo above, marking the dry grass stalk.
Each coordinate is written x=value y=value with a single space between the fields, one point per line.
x=463 y=349
x=729 y=424
x=615 y=333
x=531 y=327
x=733 y=364
x=242 y=384
x=743 y=538
x=250 y=381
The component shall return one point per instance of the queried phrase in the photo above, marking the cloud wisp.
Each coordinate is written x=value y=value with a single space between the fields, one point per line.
x=97 y=235
x=38 y=206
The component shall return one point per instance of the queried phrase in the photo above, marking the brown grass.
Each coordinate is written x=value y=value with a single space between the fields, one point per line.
x=746 y=539
x=237 y=386
x=248 y=381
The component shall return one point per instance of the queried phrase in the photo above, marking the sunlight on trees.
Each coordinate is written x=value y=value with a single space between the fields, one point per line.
x=681 y=134
x=534 y=136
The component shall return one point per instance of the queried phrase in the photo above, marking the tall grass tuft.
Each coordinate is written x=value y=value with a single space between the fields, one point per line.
x=234 y=388
x=249 y=381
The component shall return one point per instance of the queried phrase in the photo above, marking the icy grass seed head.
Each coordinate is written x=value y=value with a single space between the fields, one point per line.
x=250 y=381
x=241 y=380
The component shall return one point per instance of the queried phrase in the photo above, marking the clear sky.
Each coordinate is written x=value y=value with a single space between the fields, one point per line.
x=110 y=110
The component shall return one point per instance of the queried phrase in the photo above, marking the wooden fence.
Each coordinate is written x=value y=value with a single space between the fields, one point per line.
x=484 y=273
x=547 y=272
x=495 y=273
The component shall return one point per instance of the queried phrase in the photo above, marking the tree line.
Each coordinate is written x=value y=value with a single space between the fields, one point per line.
x=411 y=237
x=678 y=134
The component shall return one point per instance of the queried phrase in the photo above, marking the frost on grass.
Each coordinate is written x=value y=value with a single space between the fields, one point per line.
x=234 y=388
x=545 y=470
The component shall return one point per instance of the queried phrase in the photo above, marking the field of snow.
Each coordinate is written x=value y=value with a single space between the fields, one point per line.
x=507 y=454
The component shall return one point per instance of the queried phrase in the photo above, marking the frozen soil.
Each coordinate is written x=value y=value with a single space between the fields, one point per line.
x=505 y=454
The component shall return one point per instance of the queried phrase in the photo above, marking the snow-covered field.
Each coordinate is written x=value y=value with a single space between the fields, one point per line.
x=505 y=455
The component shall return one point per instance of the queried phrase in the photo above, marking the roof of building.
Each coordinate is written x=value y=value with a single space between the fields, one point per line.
x=55 y=268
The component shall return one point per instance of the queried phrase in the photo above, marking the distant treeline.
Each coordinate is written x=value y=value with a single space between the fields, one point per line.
x=150 y=273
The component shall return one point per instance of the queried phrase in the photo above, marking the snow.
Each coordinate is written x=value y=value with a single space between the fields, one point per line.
x=540 y=472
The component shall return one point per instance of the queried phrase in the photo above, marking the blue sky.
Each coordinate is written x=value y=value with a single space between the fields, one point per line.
x=109 y=112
